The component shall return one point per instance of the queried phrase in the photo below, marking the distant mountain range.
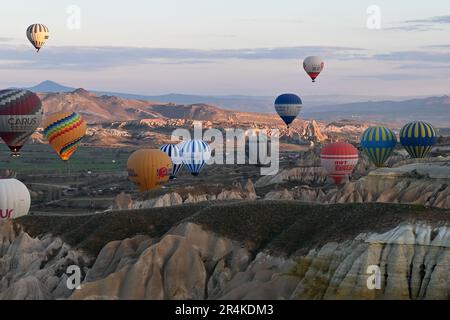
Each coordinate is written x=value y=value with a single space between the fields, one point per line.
x=97 y=108
x=329 y=107
x=435 y=110
x=259 y=104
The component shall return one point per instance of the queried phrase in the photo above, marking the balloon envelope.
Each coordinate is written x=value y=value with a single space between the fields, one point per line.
x=149 y=168
x=194 y=154
x=20 y=115
x=313 y=66
x=288 y=107
x=339 y=159
x=378 y=144
x=15 y=199
x=38 y=34
x=174 y=153
x=64 y=131
x=418 y=138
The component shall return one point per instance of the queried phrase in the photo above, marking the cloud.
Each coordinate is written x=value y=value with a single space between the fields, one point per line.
x=109 y=57
x=220 y=35
x=416 y=66
x=432 y=20
x=391 y=77
x=422 y=57
x=429 y=24
x=5 y=39
x=268 y=20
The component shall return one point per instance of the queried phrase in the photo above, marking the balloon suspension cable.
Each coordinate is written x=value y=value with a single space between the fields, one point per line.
x=67 y=167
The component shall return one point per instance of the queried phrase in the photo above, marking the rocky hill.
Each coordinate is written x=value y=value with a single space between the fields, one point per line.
x=247 y=250
x=105 y=108
x=416 y=183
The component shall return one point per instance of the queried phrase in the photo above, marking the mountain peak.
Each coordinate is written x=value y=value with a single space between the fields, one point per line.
x=81 y=91
x=48 y=83
x=49 y=86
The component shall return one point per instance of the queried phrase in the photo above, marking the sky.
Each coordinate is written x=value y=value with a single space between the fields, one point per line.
x=216 y=47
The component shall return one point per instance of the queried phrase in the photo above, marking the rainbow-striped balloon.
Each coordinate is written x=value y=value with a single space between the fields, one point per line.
x=418 y=138
x=64 y=131
x=378 y=143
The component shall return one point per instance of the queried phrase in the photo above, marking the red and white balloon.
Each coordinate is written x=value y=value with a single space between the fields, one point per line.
x=339 y=159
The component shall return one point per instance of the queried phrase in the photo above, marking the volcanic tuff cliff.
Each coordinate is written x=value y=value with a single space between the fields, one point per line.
x=417 y=183
x=192 y=261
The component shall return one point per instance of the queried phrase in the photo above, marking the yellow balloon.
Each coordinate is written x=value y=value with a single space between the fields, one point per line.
x=38 y=34
x=64 y=131
x=149 y=168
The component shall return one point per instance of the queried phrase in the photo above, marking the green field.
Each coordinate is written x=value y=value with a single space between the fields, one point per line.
x=38 y=158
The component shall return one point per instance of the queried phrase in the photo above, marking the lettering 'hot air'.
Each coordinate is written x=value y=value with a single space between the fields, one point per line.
x=339 y=159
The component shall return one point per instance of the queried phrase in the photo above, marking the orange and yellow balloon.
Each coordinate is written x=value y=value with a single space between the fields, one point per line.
x=64 y=131
x=149 y=168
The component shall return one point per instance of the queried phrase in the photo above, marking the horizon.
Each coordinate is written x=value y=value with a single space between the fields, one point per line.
x=229 y=95
x=212 y=49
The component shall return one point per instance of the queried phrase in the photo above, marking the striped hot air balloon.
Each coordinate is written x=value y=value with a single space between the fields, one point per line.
x=38 y=34
x=194 y=154
x=64 y=131
x=313 y=67
x=174 y=153
x=418 y=138
x=339 y=159
x=378 y=144
x=288 y=107
x=20 y=115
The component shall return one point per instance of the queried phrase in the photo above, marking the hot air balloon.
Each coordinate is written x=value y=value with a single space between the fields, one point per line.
x=418 y=138
x=64 y=131
x=174 y=153
x=378 y=144
x=15 y=199
x=339 y=159
x=149 y=168
x=38 y=34
x=195 y=153
x=288 y=107
x=20 y=115
x=313 y=66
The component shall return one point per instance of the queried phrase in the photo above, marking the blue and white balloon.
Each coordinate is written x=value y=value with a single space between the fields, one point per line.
x=174 y=153
x=288 y=107
x=195 y=154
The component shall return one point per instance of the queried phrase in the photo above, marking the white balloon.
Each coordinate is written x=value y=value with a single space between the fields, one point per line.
x=313 y=66
x=15 y=199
